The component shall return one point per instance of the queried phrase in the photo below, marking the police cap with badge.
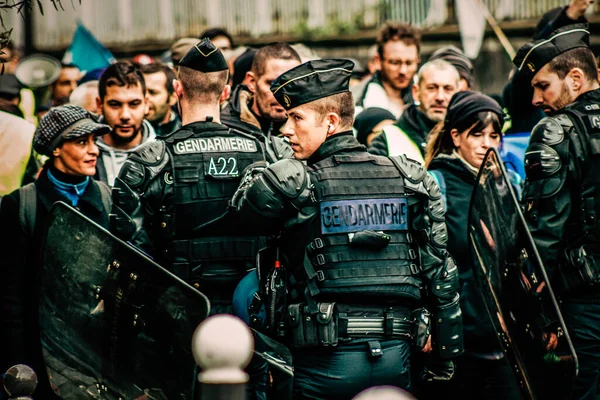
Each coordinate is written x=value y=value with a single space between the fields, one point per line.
x=534 y=55
x=312 y=81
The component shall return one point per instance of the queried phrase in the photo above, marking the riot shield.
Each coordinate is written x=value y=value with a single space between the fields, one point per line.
x=515 y=288
x=114 y=324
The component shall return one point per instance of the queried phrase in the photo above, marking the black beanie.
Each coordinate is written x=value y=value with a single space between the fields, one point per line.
x=368 y=119
x=464 y=104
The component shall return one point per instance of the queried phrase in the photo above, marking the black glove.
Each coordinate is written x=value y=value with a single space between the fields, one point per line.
x=437 y=370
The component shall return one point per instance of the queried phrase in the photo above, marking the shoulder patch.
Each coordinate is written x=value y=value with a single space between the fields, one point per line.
x=411 y=170
x=151 y=153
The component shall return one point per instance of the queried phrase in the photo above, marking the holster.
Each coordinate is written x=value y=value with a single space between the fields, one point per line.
x=448 y=329
x=580 y=269
x=312 y=330
x=422 y=319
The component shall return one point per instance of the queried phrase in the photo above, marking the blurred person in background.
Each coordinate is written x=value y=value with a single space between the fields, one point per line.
x=457 y=58
x=123 y=103
x=9 y=60
x=179 y=48
x=85 y=96
x=220 y=38
x=61 y=89
x=436 y=82
x=398 y=48
x=253 y=108
x=370 y=123
x=455 y=151
x=161 y=98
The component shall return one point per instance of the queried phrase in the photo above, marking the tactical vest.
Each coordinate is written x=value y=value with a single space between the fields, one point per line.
x=209 y=247
x=586 y=118
x=360 y=242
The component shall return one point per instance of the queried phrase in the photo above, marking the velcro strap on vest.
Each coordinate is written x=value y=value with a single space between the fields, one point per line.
x=342 y=240
x=216 y=248
x=368 y=272
x=398 y=253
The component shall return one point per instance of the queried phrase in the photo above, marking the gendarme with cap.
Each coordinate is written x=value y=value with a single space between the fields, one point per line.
x=204 y=57
x=312 y=81
x=534 y=55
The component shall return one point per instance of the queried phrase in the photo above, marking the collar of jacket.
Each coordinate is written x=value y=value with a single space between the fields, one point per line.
x=48 y=194
x=592 y=95
x=338 y=143
x=195 y=128
x=415 y=124
x=241 y=100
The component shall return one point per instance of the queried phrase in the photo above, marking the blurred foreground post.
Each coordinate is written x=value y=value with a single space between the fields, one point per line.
x=222 y=346
x=20 y=382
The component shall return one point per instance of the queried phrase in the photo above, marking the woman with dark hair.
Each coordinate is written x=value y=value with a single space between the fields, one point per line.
x=455 y=151
x=66 y=135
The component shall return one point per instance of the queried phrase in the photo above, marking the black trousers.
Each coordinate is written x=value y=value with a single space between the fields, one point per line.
x=344 y=371
x=583 y=323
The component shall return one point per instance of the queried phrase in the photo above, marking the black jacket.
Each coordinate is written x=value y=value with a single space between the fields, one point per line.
x=238 y=115
x=460 y=181
x=20 y=274
x=414 y=124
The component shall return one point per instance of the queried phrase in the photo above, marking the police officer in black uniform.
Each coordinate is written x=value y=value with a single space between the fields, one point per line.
x=362 y=241
x=171 y=197
x=562 y=190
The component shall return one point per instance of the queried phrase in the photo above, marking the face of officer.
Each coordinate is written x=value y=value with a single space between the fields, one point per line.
x=399 y=64
x=124 y=108
x=306 y=130
x=264 y=103
x=473 y=144
x=551 y=93
x=434 y=91
x=64 y=85
x=77 y=157
x=159 y=100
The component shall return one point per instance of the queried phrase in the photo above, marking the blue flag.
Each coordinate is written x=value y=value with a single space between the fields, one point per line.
x=86 y=52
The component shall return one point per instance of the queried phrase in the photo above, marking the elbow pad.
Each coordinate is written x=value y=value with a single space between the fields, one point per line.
x=445 y=283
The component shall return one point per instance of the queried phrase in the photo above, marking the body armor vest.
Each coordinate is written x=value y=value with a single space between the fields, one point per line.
x=209 y=245
x=360 y=240
x=586 y=118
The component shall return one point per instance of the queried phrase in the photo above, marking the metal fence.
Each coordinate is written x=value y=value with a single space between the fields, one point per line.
x=148 y=23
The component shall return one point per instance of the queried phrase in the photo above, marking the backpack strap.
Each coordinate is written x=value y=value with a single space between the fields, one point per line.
x=27 y=208
x=105 y=195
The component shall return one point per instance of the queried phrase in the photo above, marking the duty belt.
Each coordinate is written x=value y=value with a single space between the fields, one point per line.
x=370 y=327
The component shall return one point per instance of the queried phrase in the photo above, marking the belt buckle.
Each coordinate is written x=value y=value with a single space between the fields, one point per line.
x=375 y=348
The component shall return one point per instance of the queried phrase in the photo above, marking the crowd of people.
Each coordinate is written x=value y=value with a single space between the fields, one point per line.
x=355 y=181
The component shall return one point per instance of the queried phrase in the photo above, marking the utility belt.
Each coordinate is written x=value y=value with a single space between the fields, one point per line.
x=580 y=269
x=335 y=322
x=191 y=256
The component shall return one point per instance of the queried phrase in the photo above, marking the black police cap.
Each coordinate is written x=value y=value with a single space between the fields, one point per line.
x=312 y=81
x=534 y=55
x=204 y=57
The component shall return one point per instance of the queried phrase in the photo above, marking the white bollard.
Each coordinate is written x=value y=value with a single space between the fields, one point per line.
x=20 y=382
x=222 y=346
x=384 y=393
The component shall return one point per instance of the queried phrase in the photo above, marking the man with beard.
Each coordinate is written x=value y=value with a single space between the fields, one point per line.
x=398 y=48
x=253 y=108
x=123 y=103
x=161 y=97
x=436 y=82
x=562 y=190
